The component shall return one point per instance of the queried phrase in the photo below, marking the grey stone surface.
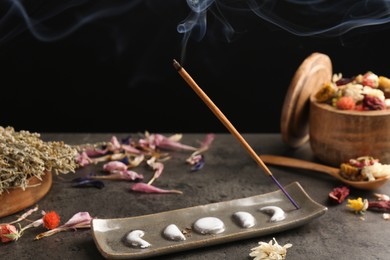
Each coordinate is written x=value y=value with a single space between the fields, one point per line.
x=229 y=173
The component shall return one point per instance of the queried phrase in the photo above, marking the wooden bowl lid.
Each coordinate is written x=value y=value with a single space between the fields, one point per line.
x=311 y=74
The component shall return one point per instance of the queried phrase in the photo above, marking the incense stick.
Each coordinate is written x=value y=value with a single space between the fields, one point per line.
x=218 y=113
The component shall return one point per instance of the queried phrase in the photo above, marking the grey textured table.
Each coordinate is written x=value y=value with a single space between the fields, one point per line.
x=229 y=173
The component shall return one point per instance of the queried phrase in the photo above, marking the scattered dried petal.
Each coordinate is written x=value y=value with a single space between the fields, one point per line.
x=381 y=196
x=339 y=194
x=147 y=188
x=380 y=205
x=114 y=166
x=87 y=182
x=199 y=163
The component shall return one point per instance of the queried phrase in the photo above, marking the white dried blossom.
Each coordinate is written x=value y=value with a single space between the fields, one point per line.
x=374 y=92
x=387 y=103
x=269 y=251
x=355 y=91
x=337 y=77
x=381 y=196
x=377 y=170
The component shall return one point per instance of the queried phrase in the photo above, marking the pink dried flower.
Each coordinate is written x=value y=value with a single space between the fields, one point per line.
x=370 y=79
x=114 y=166
x=158 y=168
x=83 y=159
x=94 y=152
x=130 y=149
x=172 y=143
x=339 y=194
x=114 y=144
x=120 y=175
x=147 y=188
x=8 y=233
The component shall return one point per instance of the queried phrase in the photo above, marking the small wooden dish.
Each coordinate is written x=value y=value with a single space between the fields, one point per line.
x=336 y=136
x=18 y=199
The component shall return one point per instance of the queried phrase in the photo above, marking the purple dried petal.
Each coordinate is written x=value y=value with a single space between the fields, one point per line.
x=343 y=81
x=125 y=160
x=86 y=182
x=199 y=164
x=127 y=140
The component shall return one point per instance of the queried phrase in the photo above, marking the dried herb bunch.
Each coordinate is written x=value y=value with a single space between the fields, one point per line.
x=24 y=154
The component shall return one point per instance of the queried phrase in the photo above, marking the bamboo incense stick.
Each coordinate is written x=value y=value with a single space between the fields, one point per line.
x=218 y=113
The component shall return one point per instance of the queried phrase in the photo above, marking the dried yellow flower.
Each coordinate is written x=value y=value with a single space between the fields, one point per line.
x=326 y=92
x=359 y=205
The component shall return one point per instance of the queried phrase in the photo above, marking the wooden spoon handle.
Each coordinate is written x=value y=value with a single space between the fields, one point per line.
x=297 y=163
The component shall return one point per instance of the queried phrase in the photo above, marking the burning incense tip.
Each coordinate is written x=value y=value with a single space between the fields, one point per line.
x=218 y=113
x=176 y=65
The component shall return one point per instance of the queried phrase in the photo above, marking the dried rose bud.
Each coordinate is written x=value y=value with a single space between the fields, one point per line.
x=8 y=233
x=370 y=79
x=345 y=103
x=339 y=194
x=373 y=103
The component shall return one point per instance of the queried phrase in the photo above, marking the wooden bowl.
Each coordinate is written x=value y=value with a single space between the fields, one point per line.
x=17 y=199
x=337 y=135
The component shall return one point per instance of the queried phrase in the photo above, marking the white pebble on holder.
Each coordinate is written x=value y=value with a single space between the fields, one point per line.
x=209 y=225
x=172 y=232
x=134 y=238
x=278 y=214
x=244 y=219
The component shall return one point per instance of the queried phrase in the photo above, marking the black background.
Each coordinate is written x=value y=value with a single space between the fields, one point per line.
x=114 y=73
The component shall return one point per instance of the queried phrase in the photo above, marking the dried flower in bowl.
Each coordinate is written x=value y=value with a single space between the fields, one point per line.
x=362 y=92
